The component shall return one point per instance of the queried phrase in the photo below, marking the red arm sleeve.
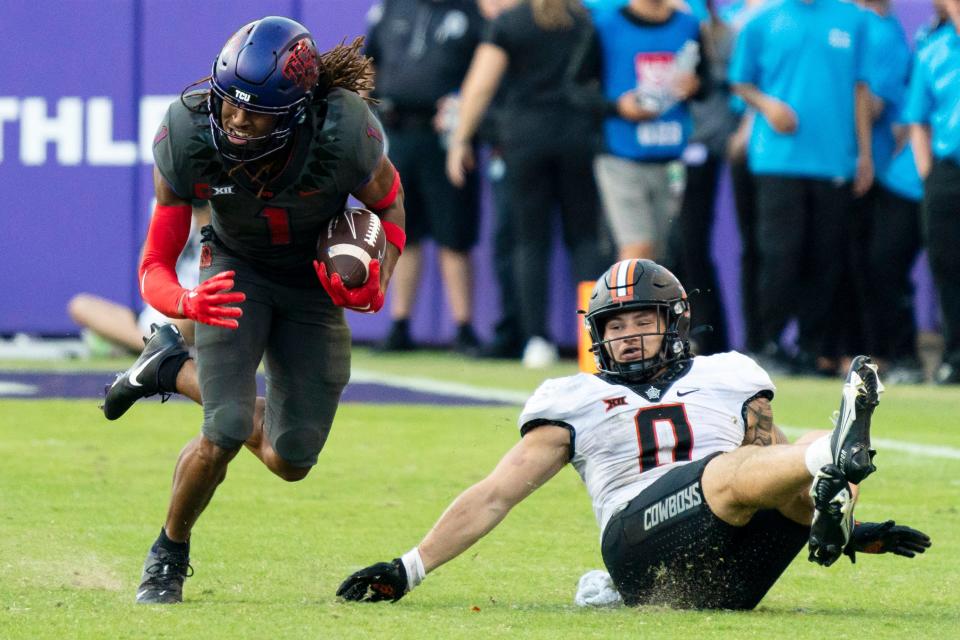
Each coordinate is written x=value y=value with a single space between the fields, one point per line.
x=169 y=229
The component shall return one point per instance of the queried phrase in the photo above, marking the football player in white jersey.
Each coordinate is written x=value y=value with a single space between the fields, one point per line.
x=700 y=499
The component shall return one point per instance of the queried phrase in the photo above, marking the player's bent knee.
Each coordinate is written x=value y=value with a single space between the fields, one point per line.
x=214 y=454
x=720 y=491
x=228 y=426
x=292 y=474
x=299 y=448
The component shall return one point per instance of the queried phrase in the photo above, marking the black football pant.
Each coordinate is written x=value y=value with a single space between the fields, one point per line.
x=693 y=257
x=507 y=331
x=543 y=176
x=802 y=230
x=888 y=234
x=941 y=216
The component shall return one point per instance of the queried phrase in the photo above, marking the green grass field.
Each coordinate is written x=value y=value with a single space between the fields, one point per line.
x=81 y=500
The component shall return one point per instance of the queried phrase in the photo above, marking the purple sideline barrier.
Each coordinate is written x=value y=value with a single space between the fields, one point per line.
x=84 y=86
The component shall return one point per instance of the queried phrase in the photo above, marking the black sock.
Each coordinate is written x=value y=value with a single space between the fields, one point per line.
x=401 y=325
x=464 y=330
x=168 y=370
x=163 y=542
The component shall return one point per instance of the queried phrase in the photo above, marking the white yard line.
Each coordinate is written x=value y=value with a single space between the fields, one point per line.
x=8 y=388
x=439 y=387
x=900 y=446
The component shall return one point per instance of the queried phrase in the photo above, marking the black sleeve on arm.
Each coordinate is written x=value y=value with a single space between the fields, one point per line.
x=497 y=31
x=540 y=422
x=583 y=78
x=703 y=72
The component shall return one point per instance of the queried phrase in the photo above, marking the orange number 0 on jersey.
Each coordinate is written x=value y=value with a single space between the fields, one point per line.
x=673 y=415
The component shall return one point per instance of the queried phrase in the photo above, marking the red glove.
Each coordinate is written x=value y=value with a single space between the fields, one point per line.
x=367 y=298
x=207 y=302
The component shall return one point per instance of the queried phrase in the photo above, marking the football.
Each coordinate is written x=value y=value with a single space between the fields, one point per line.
x=350 y=241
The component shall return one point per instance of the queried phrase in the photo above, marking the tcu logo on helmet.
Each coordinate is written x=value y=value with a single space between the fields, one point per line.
x=301 y=67
x=241 y=95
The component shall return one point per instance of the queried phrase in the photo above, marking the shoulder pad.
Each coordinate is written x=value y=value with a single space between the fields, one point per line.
x=558 y=399
x=182 y=148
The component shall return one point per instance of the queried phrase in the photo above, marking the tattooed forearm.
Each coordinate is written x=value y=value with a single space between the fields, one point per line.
x=760 y=430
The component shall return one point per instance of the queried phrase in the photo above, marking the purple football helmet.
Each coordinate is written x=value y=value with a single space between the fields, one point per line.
x=270 y=67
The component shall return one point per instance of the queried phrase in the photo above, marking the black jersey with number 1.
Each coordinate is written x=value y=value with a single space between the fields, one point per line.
x=274 y=226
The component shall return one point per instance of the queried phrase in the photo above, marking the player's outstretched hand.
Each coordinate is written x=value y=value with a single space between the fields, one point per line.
x=886 y=537
x=208 y=302
x=381 y=581
x=367 y=298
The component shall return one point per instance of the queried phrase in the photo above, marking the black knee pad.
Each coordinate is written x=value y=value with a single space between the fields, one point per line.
x=299 y=447
x=228 y=426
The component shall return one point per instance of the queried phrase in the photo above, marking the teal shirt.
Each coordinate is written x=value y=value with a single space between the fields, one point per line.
x=934 y=94
x=697 y=7
x=809 y=55
x=901 y=175
x=888 y=67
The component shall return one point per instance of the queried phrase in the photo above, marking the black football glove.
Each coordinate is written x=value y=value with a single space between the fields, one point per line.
x=381 y=581
x=886 y=537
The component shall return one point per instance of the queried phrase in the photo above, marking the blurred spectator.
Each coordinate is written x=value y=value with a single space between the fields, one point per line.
x=508 y=339
x=121 y=326
x=421 y=50
x=714 y=122
x=938 y=20
x=933 y=109
x=886 y=233
x=800 y=65
x=734 y=16
x=547 y=149
x=696 y=7
x=648 y=52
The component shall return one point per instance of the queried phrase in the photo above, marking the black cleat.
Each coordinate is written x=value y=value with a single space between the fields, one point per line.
x=832 y=516
x=850 y=441
x=466 y=342
x=142 y=379
x=163 y=576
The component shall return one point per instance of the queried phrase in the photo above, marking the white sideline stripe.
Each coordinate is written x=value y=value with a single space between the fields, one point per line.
x=429 y=385
x=17 y=389
x=438 y=387
x=901 y=446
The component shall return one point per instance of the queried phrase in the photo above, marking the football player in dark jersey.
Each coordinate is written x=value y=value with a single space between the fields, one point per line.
x=277 y=144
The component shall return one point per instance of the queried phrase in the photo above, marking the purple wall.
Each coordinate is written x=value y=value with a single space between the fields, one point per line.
x=84 y=84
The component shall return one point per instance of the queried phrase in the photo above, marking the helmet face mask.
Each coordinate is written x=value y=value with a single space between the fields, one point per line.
x=268 y=67
x=631 y=286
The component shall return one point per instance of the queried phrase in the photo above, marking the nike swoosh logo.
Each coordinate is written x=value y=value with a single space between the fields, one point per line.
x=136 y=372
x=680 y=394
x=306 y=194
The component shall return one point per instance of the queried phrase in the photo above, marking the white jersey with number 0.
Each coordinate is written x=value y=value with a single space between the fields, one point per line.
x=624 y=438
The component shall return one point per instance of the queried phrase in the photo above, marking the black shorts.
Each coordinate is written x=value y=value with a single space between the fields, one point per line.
x=434 y=207
x=304 y=342
x=668 y=548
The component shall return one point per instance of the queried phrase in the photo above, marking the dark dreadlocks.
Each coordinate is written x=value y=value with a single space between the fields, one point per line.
x=345 y=67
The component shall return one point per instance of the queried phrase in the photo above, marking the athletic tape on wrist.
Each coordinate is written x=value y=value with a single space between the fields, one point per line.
x=395 y=235
x=414 y=566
